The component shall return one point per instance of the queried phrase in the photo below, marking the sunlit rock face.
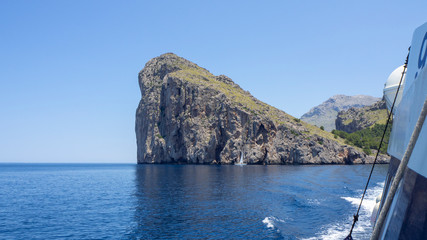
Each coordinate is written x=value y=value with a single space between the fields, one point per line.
x=188 y=115
x=355 y=119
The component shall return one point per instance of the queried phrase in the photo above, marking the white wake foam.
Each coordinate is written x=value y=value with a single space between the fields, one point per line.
x=363 y=227
x=313 y=202
x=270 y=221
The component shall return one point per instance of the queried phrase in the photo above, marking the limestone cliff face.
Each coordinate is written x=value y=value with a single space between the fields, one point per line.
x=188 y=115
x=355 y=119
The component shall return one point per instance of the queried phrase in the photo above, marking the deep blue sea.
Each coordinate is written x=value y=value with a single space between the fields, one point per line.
x=113 y=201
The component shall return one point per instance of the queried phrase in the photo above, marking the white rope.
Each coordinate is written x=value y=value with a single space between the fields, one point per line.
x=399 y=173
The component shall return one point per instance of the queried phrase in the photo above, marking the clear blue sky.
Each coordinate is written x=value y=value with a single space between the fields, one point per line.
x=68 y=69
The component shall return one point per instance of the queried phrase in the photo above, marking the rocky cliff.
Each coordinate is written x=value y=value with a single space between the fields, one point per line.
x=326 y=113
x=188 y=115
x=356 y=119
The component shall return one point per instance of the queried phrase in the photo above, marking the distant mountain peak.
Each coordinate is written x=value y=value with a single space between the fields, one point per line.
x=326 y=113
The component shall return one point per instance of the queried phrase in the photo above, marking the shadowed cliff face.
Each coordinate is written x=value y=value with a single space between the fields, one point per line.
x=188 y=115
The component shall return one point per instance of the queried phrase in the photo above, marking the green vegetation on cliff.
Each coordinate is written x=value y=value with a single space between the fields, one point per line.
x=201 y=76
x=367 y=139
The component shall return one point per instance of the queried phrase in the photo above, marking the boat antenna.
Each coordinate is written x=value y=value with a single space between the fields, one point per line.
x=356 y=216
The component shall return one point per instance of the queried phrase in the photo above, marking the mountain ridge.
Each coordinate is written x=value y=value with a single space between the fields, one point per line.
x=325 y=113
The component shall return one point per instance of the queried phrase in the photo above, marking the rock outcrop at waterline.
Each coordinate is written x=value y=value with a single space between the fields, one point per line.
x=188 y=115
